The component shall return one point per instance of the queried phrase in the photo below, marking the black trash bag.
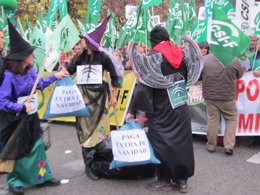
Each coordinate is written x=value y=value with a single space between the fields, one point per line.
x=18 y=134
x=103 y=157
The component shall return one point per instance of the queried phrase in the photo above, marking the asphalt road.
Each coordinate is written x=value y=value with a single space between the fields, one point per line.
x=215 y=173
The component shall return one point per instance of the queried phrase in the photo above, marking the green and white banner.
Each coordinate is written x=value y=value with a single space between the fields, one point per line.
x=65 y=35
x=199 y=31
x=38 y=39
x=255 y=22
x=148 y=3
x=93 y=13
x=226 y=40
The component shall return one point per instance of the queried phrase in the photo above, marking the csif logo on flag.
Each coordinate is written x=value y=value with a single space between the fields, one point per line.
x=63 y=38
x=221 y=3
x=245 y=9
x=221 y=32
x=201 y=28
x=147 y=2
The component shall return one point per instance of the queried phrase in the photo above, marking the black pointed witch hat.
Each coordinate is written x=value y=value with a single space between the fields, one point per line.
x=19 y=48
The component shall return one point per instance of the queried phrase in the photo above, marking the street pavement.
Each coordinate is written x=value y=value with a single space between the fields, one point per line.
x=215 y=173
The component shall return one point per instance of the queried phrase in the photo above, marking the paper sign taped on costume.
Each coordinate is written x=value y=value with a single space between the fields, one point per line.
x=89 y=74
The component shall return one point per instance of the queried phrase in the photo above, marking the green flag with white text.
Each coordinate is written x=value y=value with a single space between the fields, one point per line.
x=52 y=11
x=93 y=13
x=226 y=40
x=65 y=35
x=19 y=27
x=81 y=26
x=110 y=35
x=171 y=20
x=127 y=32
x=41 y=24
x=27 y=29
x=143 y=28
x=199 y=31
x=63 y=8
x=149 y=3
x=55 y=7
x=38 y=39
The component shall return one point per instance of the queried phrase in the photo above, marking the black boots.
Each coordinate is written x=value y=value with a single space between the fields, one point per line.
x=88 y=157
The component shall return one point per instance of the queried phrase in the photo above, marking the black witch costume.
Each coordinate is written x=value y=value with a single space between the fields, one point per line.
x=94 y=129
x=169 y=129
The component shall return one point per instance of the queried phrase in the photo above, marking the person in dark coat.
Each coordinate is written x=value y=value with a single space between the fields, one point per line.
x=169 y=131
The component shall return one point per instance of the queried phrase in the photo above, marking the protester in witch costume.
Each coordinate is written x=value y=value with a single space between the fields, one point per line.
x=169 y=129
x=93 y=129
x=26 y=148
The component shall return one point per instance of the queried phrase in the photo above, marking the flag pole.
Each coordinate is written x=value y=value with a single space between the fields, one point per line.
x=39 y=75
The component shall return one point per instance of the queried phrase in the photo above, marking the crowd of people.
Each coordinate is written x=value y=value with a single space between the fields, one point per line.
x=169 y=128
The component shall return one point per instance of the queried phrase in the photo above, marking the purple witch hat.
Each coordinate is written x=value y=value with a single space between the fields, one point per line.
x=94 y=38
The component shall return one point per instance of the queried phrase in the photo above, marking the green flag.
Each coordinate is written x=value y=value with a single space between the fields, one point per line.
x=92 y=14
x=10 y=13
x=110 y=35
x=148 y=3
x=226 y=40
x=41 y=24
x=143 y=28
x=28 y=29
x=185 y=18
x=199 y=31
x=38 y=39
x=171 y=20
x=128 y=30
x=224 y=5
x=52 y=11
x=19 y=27
x=55 y=7
x=181 y=18
x=257 y=24
x=176 y=19
x=81 y=26
x=65 y=35
x=63 y=8
x=192 y=16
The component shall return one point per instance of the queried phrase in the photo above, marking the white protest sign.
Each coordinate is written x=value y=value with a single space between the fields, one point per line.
x=89 y=74
x=66 y=99
x=243 y=15
x=130 y=146
x=129 y=10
